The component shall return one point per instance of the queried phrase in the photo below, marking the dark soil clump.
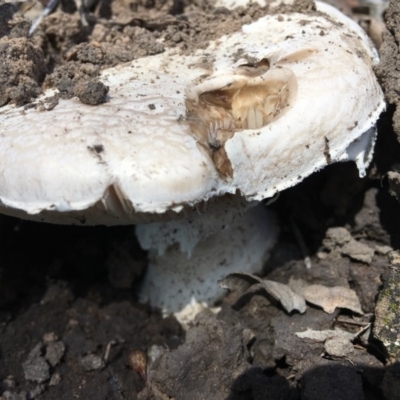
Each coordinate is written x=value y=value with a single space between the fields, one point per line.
x=22 y=65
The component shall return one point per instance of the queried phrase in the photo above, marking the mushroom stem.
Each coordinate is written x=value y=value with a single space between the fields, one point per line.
x=175 y=279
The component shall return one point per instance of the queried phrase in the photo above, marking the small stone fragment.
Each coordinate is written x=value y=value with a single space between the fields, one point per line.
x=92 y=362
x=54 y=352
x=55 y=379
x=35 y=367
x=337 y=343
x=338 y=347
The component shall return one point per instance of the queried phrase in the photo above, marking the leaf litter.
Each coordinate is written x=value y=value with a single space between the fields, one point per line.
x=293 y=296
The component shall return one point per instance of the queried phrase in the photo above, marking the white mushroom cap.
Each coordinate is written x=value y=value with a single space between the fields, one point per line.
x=112 y=157
x=138 y=154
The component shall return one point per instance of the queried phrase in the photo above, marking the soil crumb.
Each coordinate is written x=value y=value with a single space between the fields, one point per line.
x=22 y=64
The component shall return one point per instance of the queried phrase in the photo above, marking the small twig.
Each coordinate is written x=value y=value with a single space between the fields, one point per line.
x=109 y=345
x=108 y=348
x=362 y=330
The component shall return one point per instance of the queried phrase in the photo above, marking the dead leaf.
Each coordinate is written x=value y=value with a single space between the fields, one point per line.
x=289 y=299
x=328 y=298
x=358 y=251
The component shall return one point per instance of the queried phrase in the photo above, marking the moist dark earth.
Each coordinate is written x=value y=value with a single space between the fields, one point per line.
x=70 y=323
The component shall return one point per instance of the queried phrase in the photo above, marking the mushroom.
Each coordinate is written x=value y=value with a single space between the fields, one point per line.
x=187 y=144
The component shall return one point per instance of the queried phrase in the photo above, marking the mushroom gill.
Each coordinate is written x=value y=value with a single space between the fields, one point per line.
x=251 y=98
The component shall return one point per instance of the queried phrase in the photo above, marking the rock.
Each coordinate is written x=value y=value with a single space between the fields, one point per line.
x=35 y=367
x=54 y=352
x=92 y=362
x=55 y=379
x=338 y=347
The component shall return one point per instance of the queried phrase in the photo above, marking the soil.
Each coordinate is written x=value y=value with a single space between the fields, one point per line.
x=70 y=323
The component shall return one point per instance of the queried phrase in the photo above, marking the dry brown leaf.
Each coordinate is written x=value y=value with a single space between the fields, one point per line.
x=289 y=299
x=328 y=298
x=341 y=238
x=358 y=251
